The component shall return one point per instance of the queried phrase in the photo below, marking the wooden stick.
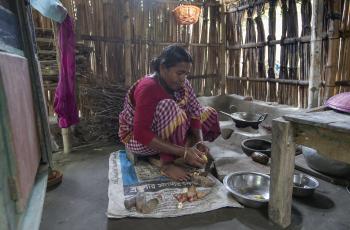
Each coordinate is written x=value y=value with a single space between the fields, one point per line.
x=127 y=46
x=283 y=55
x=261 y=72
x=316 y=46
x=272 y=50
x=222 y=56
x=281 y=185
x=331 y=69
x=292 y=29
x=304 y=48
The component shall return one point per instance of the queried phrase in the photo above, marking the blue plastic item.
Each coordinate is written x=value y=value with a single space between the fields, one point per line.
x=50 y=8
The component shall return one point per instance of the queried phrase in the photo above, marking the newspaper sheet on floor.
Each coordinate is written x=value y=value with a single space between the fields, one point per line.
x=126 y=179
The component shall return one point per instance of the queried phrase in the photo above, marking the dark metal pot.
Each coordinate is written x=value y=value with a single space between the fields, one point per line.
x=243 y=119
x=256 y=145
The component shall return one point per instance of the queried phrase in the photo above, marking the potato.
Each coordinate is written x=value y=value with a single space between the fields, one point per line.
x=260 y=158
x=205 y=158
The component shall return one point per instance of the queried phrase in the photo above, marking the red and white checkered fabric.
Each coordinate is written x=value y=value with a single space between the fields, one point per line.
x=171 y=120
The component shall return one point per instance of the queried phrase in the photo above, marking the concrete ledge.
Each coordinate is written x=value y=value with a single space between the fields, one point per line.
x=223 y=103
x=227 y=152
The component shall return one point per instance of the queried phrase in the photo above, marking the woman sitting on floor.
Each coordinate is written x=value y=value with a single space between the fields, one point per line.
x=161 y=111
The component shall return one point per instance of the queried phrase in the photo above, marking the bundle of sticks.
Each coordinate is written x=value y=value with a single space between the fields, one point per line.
x=100 y=109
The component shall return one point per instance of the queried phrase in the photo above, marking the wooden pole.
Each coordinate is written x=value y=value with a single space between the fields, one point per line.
x=283 y=55
x=305 y=49
x=222 y=49
x=280 y=204
x=272 y=50
x=261 y=86
x=293 y=57
x=127 y=45
x=333 y=49
x=316 y=57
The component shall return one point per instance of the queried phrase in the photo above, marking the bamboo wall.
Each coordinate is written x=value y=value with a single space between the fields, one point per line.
x=252 y=44
x=342 y=80
x=267 y=51
x=123 y=36
x=148 y=25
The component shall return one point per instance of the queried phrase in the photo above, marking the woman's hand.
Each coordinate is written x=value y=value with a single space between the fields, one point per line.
x=203 y=148
x=194 y=157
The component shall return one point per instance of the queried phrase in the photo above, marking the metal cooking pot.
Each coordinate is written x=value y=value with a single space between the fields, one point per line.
x=324 y=164
x=243 y=119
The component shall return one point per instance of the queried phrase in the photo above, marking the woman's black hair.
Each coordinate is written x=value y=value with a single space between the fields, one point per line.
x=171 y=56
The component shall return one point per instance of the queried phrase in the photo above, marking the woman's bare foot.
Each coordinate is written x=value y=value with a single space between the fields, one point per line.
x=174 y=172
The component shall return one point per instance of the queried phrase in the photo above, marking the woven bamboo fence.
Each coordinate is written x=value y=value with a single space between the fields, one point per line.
x=123 y=36
x=255 y=69
x=147 y=26
x=267 y=48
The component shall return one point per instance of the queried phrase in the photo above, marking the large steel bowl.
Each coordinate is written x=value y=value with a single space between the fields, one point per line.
x=304 y=185
x=249 y=188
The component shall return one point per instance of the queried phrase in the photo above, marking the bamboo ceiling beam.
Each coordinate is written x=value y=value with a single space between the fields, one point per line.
x=316 y=56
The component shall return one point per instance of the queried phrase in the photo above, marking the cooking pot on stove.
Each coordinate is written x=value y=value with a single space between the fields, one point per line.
x=244 y=119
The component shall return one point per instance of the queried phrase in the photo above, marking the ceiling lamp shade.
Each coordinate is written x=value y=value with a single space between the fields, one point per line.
x=187 y=14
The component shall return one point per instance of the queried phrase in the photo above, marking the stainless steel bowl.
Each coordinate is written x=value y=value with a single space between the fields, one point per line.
x=249 y=188
x=304 y=185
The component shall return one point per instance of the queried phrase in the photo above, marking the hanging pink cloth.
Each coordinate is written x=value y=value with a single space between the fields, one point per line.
x=65 y=103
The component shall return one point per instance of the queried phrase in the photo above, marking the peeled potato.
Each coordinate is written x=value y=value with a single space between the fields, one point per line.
x=205 y=158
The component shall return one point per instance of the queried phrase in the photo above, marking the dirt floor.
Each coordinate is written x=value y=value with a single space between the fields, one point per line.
x=80 y=202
